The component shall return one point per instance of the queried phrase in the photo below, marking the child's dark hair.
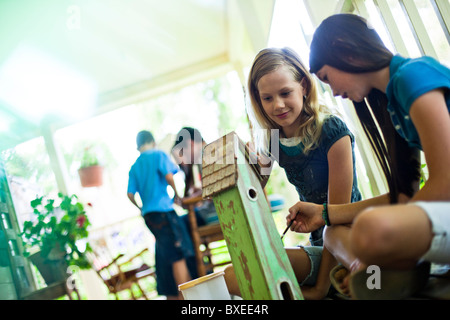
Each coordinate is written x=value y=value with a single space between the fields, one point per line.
x=346 y=42
x=144 y=137
x=185 y=135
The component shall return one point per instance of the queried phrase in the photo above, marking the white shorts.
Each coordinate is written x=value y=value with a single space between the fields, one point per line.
x=439 y=215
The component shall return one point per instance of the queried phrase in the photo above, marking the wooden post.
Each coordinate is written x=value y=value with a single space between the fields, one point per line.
x=259 y=259
x=194 y=234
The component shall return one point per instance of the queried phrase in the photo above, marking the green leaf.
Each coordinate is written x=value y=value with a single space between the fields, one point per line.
x=36 y=202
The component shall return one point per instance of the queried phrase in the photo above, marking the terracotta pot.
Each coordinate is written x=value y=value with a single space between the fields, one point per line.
x=91 y=176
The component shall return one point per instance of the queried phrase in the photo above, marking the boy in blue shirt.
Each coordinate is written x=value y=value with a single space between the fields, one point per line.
x=149 y=176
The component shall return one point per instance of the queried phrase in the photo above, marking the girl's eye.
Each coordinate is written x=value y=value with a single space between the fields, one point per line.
x=285 y=94
x=266 y=98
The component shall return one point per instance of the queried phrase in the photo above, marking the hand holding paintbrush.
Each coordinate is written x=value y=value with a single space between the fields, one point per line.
x=287 y=228
x=307 y=216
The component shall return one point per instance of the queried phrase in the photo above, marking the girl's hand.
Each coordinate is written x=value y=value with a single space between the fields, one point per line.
x=308 y=219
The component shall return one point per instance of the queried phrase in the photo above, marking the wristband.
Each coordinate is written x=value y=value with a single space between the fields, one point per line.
x=325 y=215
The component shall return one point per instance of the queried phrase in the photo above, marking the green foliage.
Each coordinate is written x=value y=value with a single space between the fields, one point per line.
x=58 y=224
x=89 y=158
x=423 y=175
x=31 y=163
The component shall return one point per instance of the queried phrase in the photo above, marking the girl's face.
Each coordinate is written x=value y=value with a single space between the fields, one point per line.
x=347 y=85
x=282 y=99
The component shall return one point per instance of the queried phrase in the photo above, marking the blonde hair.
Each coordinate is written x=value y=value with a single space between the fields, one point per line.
x=312 y=115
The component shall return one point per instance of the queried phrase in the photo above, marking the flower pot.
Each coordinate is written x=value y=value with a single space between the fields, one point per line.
x=91 y=176
x=53 y=269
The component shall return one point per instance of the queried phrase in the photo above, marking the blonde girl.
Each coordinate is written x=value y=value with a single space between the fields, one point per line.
x=313 y=147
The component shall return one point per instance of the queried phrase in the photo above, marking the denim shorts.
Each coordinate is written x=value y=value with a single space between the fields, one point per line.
x=315 y=256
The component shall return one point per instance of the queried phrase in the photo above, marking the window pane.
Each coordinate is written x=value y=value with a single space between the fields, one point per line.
x=29 y=175
x=434 y=30
x=379 y=25
x=405 y=29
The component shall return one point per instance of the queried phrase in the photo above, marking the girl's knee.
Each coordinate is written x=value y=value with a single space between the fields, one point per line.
x=371 y=235
x=334 y=234
x=329 y=236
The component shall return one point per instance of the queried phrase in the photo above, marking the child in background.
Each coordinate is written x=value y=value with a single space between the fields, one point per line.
x=149 y=176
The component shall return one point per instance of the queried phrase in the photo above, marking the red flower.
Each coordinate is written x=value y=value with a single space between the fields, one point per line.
x=81 y=219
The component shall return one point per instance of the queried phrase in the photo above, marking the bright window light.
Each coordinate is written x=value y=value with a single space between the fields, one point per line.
x=36 y=85
x=290 y=23
x=5 y=123
x=378 y=24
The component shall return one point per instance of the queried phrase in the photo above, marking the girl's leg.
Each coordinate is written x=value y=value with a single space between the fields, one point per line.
x=391 y=236
x=322 y=285
x=337 y=241
x=301 y=264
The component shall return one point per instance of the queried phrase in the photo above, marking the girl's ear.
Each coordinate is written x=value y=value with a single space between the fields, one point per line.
x=304 y=84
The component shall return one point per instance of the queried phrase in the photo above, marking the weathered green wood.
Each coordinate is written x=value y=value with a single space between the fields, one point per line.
x=15 y=271
x=259 y=259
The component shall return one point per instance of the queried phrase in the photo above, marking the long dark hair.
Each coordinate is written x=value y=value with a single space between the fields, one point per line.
x=400 y=162
x=346 y=42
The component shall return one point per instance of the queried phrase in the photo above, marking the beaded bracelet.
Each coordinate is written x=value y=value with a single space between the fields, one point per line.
x=325 y=215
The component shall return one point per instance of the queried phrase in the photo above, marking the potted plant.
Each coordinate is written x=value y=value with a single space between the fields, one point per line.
x=57 y=227
x=90 y=171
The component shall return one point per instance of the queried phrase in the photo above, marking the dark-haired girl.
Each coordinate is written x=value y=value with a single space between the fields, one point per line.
x=410 y=101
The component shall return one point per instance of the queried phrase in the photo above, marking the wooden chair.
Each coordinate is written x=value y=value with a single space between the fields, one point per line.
x=203 y=235
x=117 y=278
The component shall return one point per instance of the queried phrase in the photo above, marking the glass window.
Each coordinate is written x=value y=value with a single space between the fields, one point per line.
x=29 y=175
x=404 y=27
x=434 y=30
x=291 y=26
x=379 y=25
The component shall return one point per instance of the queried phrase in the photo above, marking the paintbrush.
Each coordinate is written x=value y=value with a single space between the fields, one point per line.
x=290 y=224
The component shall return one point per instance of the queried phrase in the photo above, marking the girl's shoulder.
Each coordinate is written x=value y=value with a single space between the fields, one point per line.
x=406 y=71
x=333 y=123
x=333 y=128
x=411 y=78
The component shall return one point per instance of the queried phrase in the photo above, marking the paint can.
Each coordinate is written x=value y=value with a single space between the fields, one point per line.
x=209 y=287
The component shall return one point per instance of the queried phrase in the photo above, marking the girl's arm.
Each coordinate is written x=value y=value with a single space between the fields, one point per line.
x=431 y=118
x=340 y=171
x=310 y=214
x=340 y=183
x=340 y=211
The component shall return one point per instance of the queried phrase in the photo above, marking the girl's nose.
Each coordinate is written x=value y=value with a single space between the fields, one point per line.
x=278 y=103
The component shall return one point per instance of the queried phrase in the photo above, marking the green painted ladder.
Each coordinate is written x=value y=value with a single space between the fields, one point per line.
x=259 y=259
